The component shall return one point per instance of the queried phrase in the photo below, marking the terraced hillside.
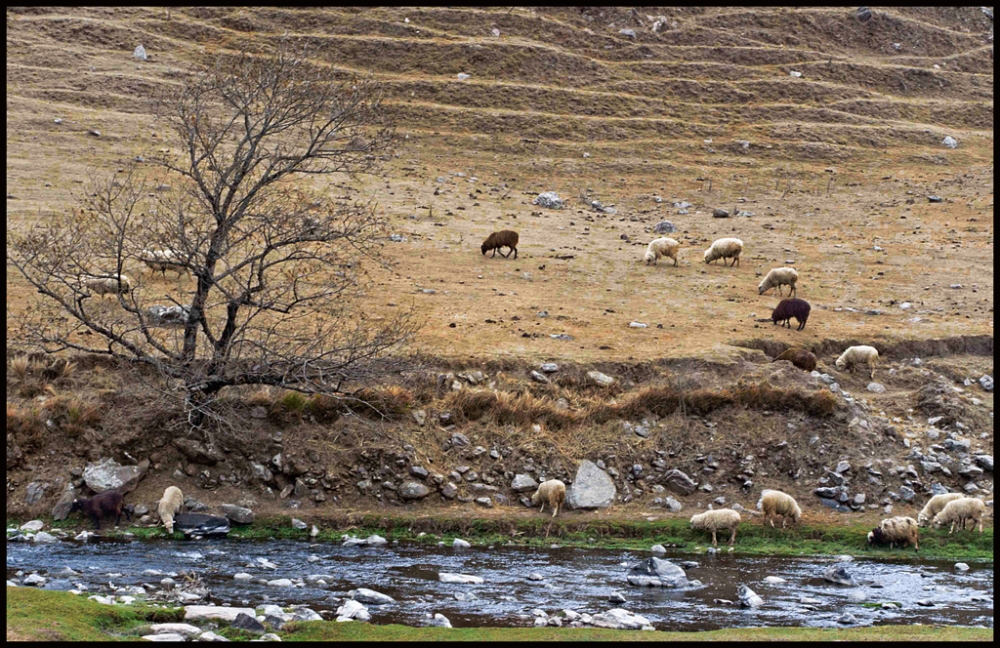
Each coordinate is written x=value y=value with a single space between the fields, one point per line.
x=835 y=162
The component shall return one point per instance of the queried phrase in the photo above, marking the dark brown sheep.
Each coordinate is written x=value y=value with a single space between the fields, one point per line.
x=104 y=505
x=801 y=358
x=789 y=308
x=497 y=240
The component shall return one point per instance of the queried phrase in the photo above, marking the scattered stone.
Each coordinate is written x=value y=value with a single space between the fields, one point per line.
x=61 y=510
x=34 y=526
x=200 y=524
x=847 y=618
x=838 y=574
x=950 y=142
x=774 y=580
x=464 y=579
x=600 y=379
x=863 y=14
x=664 y=227
x=248 y=623
x=986 y=382
x=550 y=367
x=720 y=213
x=537 y=377
x=549 y=200
x=672 y=504
x=208 y=635
x=206 y=612
x=411 y=490
x=370 y=596
x=107 y=474
x=237 y=514
x=440 y=621
x=352 y=610
x=679 y=482
x=875 y=387
x=460 y=544
x=934 y=199
x=523 y=483
x=962 y=566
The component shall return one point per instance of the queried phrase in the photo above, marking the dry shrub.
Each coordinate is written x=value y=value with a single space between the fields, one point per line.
x=765 y=397
x=505 y=408
x=391 y=402
x=32 y=388
x=294 y=401
x=325 y=409
x=25 y=426
x=60 y=369
x=71 y=415
x=20 y=367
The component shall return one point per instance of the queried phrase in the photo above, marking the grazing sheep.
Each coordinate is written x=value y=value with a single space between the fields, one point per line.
x=859 y=355
x=662 y=247
x=105 y=284
x=893 y=530
x=164 y=260
x=934 y=506
x=773 y=502
x=497 y=240
x=169 y=505
x=103 y=505
x=779 y=277
x=725 y=248
x=789 y=308
x=717 y=520
x=552 y=491
x=960 y=510
x=801 y=358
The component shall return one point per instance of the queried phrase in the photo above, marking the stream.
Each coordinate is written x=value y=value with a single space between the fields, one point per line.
x=572 y=578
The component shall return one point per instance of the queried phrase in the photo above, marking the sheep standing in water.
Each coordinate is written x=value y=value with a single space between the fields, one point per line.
x=169 y=505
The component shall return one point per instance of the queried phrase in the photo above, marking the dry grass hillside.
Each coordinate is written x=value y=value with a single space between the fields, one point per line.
x=827 y=130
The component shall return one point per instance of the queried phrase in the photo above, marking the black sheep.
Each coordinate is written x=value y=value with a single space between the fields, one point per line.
x=497 y=240
x=103 y=505
x=789 y=308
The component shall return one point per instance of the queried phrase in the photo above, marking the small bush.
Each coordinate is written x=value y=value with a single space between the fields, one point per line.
x=20 y=367
x=294 y=401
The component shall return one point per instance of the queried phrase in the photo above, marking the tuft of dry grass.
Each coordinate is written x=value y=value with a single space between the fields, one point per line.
x=20 y=367
x=391 y=402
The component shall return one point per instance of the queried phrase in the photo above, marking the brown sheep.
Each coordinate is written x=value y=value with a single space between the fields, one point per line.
x=497 y=240
x=103 y=505
x=801 y=358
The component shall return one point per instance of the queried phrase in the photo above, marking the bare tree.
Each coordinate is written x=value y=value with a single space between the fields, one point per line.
x=269 y=269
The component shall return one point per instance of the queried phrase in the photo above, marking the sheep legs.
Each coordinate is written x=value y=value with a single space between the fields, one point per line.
x=715 y=543
x=543 y=508
x=732 y=538
x=556 y=510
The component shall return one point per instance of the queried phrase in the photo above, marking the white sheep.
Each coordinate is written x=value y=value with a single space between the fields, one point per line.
x=856 y=355
x=105 y=284
x=960 y=510
x=934 y=506
x=779 y=277
x=898 y=529
x=725 y=248
x=773 y=502
x=170 y=503
x=164 y=260
x=717 y=520
x=661 y=247
x=552 y=492
x=168 y=316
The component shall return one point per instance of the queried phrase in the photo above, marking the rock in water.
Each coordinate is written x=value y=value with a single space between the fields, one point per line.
x=201 y=524
x=591 y=488
x=838 y=574
x=749 y=598
x=657 y=572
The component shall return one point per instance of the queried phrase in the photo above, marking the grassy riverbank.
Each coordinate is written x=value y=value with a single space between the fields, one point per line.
x=806 y=539
x=34 y=615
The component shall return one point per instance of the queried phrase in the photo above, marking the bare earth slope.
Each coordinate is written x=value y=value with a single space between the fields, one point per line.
x=826 y=130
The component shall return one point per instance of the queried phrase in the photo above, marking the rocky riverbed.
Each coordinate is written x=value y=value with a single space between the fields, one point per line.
x=504 y=586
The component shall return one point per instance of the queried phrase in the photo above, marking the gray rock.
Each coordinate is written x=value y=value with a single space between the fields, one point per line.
x=842 y=467
x=61 y=510
x=200 y=524
x=985 y=462
x=679 y=482
x=950 y=142
x=440 y=621
x=720 y=213
x=460 y=544
x=538 y=377
x=261 y=473
x=248 y=623
x=657 y=572
x=237 y=514
x=207 y=612
x=459 y=439
x=107 y=474
x=877 y=388
x=465 y=579
x=838 y=574
x=591 y=488
x=749 y=598
x=617 y=597
x=986 y=382
x=906 y=493
x=484 y=501
x=208 y=635
x=672 y=504
x=863 y=14
x=419 y=471
x=963 y=567
x=420 y=416
x=548 y=200
x=353 y=610
x=35 y=491
x=550 y=367
x=523 y=483
x=934 y=199
x=859 y=499
x=370 y=596
x=619 y=619
x=299 y=524
x=449 y=491
x=535 y=576
x=600 y=379
x=411 y=490
x=664 y=227
x=847 y=618
x=199 y=452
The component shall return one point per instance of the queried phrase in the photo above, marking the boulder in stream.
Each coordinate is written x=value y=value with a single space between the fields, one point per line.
x=837 y=573
x=657 y=572
x=201 y=524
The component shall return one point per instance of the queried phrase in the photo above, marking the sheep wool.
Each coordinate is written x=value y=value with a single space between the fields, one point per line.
x=857 y=355
x=551 y=492
x=725 y=248
x=108 y=284
x=163 y=260
x=934 y=506
x=497 y=240
x=777 y=278
x=169 y=505
x=661 y=247
x=804 y=360
x=959 y=511
x=773 y=502
x=898 y=529
x=717 y=520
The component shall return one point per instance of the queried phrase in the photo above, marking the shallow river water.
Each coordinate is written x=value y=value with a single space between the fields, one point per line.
x=577 y=579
